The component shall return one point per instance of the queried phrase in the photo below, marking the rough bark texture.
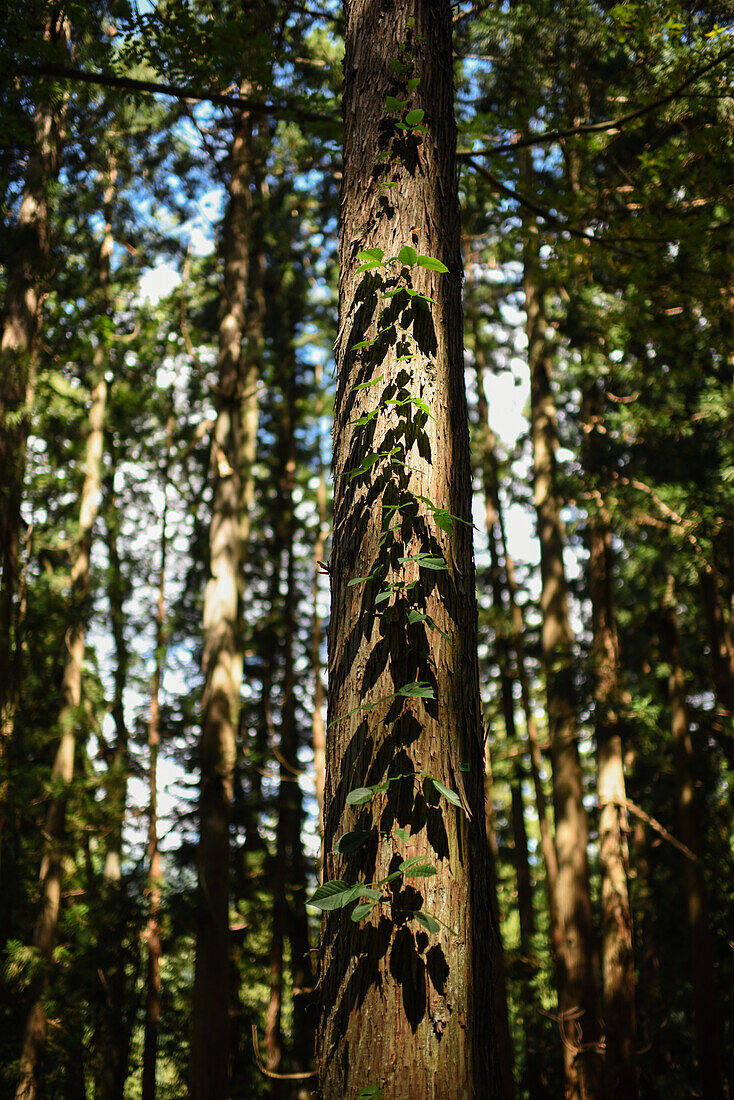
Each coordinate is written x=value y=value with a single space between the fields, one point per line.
x=704 y=984
x=44 y=933
x=576 y=977
x=222 y=660
x=401 y=1009
x=19 y=336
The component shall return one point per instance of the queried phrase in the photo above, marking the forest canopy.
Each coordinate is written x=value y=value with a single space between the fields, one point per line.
x=366 y=550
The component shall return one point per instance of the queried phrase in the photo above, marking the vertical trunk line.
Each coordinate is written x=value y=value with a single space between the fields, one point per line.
x=617 y=955
x=222 y=657
x=577 y=982
x=153 y=928
x=704 y=983
x=44 y=933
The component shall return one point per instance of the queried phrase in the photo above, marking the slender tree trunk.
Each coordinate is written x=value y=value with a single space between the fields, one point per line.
x=222 y=660
x=20 y=323
x=576 y=970
x=501 y=1022
x=535 y=1075
x=494 y=516
x=617 y=955
x=318 y=726
x=44 y=933
x=721 y=651
x=402 y=1010
x=153 y=928
x=704 y=984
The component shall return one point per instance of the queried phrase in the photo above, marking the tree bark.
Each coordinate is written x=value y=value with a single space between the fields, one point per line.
x=576 y=970
x=20 y=324
x=402 y=1010
x=153 y=927
x=63 y=768
x=318 y=727
x=617 y=955
x=222 y=659
x=704 y=984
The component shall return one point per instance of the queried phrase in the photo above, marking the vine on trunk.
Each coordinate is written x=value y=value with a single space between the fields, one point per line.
x=392 y=583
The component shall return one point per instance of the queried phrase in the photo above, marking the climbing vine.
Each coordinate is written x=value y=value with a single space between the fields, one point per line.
x=394 y=582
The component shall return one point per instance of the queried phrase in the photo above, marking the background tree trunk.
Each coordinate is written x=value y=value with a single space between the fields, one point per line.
x=576 y=961
x=44 y=933
x=222 y=661
x=704 y=983
x=153 y=927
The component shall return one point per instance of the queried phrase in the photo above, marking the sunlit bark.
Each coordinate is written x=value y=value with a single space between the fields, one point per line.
x=401 y=1010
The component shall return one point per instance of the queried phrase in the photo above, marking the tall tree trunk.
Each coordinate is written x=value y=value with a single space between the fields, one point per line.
x=494 y=518
x=222 y=660
x=402 y=1010
x=290 y=799
x=153 y=927
x=113 y=1033
x=20 y=323
x=576 y=969
x=63 y=768
x=534 y=1075
x=501 y=1022
x=617 y=955
x=318 y=726
x=704 y=984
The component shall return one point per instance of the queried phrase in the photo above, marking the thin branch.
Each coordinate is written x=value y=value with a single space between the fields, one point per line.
x=269 y=1072
x=554 y=219
x=547 y=137
x=153 y=87
x=624 y=803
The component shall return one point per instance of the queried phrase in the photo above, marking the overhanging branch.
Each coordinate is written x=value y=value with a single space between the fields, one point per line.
x=154 y=87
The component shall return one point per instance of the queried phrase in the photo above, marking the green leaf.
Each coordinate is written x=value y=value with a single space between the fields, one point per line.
x=370 y=1092
x=414 y=117
x=351 y=841
x=362 y=910
x=413 y=861
x=367 y=464
x=371 y=254
x=399 y=67
x=407 y=255
x=370 y=892
x=422 y=870
x=445 y=521
x=374 y=382
x=417 y=294
x=433 y=563
x=402 y=834
x=394 y=104
x=429 y=923
x=332 y=895
x=425 y=561
x=392 y=293
x=413 y=83
x=359 y=796
x=418 y=689
x=369 y=266
x=431 y=263
x=452 y=796
x=386 y=186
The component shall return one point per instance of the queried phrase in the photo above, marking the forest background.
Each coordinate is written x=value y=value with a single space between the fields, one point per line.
x=155 y=240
